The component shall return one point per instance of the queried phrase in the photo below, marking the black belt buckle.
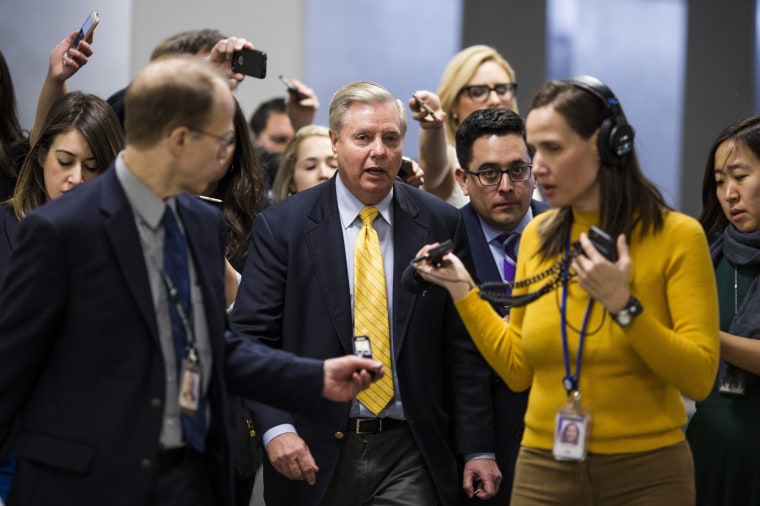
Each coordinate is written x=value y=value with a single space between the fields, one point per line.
x=368 y=426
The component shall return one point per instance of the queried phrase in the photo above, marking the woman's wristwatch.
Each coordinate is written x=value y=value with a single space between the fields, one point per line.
x=625 y=316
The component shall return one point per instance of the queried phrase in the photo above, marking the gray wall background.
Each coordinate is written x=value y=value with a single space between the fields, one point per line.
x=716 y=83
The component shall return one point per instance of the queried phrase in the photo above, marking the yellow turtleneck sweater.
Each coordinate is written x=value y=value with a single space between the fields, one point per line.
x=631 y=378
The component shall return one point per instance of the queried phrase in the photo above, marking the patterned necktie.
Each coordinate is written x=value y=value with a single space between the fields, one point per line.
x=371 y=309
x=176 y=268
x=508 y=242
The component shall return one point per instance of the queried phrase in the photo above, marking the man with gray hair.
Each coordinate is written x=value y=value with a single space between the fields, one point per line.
x=324 y=277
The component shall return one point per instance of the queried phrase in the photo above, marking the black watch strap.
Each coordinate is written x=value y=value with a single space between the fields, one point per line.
x=632 y=309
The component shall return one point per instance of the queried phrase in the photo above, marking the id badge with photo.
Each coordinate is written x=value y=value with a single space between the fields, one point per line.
x=571 y=434
x=189 y=387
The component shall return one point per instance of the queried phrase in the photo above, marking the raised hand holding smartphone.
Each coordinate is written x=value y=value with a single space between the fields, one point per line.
x=88 y=27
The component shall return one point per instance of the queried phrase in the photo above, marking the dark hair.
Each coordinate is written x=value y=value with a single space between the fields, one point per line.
x=241 y=191
x=627 y=197
x=484 y=123
x=97 y=123
x=10 y=128
x=189 y=42
x=564 y=437
x=173 y=91
x=263 y=111
x=745 y=132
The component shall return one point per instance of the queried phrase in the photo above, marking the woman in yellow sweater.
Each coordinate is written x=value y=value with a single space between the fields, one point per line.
x=611 y=347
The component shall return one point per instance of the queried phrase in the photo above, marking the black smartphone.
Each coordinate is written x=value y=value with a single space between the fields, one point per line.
x=291 y=88
x=604 y=243
x=250 y=62
x=422 y=105
x=435 y=255
x=362 y=347
x=87 y=28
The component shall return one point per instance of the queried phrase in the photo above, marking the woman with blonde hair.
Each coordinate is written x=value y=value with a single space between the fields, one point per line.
x=307 y=161
x=477 y=77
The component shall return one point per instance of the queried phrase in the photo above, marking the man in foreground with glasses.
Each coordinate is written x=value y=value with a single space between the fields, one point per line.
x=496 y=174
x=113 y=361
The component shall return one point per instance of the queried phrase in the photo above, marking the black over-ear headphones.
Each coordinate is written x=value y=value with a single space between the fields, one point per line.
x=615 y=134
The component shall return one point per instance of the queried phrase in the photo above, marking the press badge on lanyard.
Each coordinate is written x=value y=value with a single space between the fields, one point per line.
x=190 y=387
x=572 y=422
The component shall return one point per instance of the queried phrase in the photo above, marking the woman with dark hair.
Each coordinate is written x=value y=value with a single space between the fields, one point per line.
x=79 y=139
x=608 y=343
x=723 y=431
x=241 y=191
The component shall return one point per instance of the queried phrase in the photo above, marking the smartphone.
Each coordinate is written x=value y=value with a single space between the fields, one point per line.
x=422 y=105
x=87 y=28
x=292 y=89
x=604 y=243
x=435 y=255
x=250 y=62
x=362 y=347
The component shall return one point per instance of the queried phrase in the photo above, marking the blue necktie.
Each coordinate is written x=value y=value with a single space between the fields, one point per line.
x=176 y=268
x=508 y=242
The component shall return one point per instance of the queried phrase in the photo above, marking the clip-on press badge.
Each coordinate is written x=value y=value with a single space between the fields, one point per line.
x=571 y=430
x=190 y=387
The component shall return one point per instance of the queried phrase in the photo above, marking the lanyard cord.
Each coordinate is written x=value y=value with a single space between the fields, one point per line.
x=570 y=381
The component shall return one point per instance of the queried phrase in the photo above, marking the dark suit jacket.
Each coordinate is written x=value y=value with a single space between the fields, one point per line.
x=81 y=368
x=295 y=296
x=509 y=407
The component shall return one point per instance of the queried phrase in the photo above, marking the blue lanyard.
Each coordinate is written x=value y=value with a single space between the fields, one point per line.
x=570 y=381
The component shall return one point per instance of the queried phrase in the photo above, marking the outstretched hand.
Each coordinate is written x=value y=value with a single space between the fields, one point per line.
x=348 y=375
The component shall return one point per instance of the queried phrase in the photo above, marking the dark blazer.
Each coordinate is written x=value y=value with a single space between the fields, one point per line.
x=509 y=407
x=81 y=368
x=295 y=296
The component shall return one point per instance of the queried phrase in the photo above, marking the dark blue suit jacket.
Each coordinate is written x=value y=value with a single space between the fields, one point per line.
x=81 y=368
x=509 y=407
x=295 y=296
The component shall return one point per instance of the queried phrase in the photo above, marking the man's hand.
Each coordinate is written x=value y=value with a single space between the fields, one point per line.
x=291 y=457
x=482 y=478
x=348 y=375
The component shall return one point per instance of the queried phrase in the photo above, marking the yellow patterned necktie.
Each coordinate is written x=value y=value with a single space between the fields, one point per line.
x=371 y=309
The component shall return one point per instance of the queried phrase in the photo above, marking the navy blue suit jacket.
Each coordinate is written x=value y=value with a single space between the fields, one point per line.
x=509 y=407
x=81 y=368
x=295 y=296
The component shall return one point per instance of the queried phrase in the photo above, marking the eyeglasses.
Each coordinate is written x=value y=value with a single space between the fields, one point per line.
x=225 y=141
x=492 y=177
x=480 y=92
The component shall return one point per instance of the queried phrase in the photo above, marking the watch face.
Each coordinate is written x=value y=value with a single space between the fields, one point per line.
x=624 y=317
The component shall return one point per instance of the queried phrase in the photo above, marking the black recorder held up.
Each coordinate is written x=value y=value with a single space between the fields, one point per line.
x=604 y=243
x=434 y=256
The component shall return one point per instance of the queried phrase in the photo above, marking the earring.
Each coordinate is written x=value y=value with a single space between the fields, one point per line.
x=455 y=117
